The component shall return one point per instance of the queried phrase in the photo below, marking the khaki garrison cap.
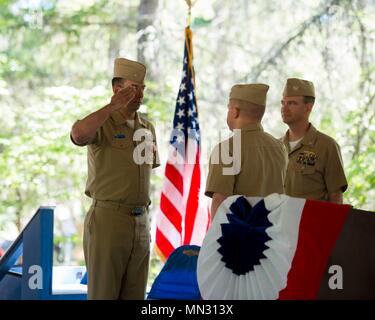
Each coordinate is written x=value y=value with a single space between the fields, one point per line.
x=255 y=93
x=130 y=70
x=298 y=87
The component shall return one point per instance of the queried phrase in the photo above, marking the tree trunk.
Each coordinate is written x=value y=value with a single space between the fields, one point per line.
x=116 y=35
x=147 y=51
x=18 y=218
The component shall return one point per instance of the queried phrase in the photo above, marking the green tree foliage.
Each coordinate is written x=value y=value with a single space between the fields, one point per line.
x=55 y=67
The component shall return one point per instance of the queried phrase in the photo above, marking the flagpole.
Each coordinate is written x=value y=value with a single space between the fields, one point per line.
x=190 y=4
x=189 y=40
x=184 y=215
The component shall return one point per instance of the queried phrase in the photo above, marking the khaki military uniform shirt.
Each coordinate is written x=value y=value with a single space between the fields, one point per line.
x=113 y=172
x=261 y=165
x=315 y=167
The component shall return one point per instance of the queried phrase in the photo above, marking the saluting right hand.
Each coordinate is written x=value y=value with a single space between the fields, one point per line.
x=122 y=98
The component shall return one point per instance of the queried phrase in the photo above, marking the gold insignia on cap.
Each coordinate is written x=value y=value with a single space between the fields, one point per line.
x=299 y=87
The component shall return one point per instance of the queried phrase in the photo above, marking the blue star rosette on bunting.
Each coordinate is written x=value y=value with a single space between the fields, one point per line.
x=247 y=225
x=245 y=254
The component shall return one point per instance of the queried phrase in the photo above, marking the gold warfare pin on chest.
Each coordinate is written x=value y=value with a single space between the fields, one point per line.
x=307 y=158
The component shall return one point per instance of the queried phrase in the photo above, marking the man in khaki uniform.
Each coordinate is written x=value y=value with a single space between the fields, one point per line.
x=315 y=168
x=259 y=160
x=122 y=151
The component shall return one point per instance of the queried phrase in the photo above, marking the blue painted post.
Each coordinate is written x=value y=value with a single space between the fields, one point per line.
x=38 y=251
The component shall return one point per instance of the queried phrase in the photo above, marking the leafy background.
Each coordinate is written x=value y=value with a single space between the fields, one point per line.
x=56 y=59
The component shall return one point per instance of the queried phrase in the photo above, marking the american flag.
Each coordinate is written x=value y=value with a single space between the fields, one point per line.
x=184 y=215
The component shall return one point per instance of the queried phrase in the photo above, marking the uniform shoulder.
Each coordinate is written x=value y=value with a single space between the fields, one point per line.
x=224 y=144
x=274 y=140
x=325 y=138
x=282 y=138
x=147 y=123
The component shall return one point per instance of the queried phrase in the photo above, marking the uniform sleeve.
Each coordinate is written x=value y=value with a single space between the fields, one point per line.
x=334 y=173
x=98 y=137
x=75 y=143
x=217 y=180
x=97 y=140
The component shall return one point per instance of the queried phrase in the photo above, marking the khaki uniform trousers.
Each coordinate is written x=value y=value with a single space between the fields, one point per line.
x=117 y=250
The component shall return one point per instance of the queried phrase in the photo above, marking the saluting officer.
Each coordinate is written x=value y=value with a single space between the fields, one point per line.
x=259 y=160
x=315 y=168
x=122 y=150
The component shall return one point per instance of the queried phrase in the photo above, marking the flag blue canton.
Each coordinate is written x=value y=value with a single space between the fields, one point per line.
x=185 y=122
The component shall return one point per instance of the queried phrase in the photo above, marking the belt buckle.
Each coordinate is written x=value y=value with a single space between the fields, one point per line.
x=137 y=211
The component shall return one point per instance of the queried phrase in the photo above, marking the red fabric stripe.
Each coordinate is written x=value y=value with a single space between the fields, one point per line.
x=193 y=201
x=320 y=226
x=163 y=244
x=169 y=210
x=174 y=177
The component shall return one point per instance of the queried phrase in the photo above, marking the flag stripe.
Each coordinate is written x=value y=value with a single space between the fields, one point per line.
x=173 y=215
x=320 y=226
x=170 y=191
x=167 y=228
x=172 y=174
x=193 y=202
x=163 y=244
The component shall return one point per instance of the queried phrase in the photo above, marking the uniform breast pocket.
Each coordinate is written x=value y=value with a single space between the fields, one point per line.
x=311 y=180
x=307 y=170
x=120 y=143
x=121 y=152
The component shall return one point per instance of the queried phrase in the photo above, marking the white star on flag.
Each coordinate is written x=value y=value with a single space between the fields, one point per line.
x=181 y=100
x=180 y=126
x=180 y=113
x=182 y=87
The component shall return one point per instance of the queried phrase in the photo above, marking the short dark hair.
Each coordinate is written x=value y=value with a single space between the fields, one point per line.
x=250 y=109
x=308 y=99
x=116 y=81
